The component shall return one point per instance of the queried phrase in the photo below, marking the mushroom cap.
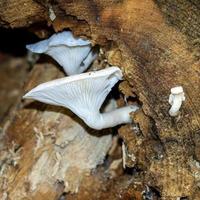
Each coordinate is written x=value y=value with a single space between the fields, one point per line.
x=83 y=94
x=177 y=90
x=73 y=54
x=65 y=38
x=176 y=93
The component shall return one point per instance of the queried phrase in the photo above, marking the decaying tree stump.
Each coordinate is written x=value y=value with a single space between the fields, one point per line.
x=157 y=50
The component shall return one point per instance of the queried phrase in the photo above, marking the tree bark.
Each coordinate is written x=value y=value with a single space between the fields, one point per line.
x=156 y=44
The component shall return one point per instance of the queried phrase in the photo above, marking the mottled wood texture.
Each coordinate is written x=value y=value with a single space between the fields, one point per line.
x=156 y=44
x=50 y=149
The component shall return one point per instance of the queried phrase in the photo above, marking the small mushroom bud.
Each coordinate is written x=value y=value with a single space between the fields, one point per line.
x=176 y=98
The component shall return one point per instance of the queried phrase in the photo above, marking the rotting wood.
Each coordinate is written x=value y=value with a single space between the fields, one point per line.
x=53 y=148
x=155 y=56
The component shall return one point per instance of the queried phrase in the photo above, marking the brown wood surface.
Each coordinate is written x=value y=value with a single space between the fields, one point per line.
x=156 y=44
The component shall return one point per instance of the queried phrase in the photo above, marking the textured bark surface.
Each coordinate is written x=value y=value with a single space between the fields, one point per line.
x=156 y=44
x=20 y=13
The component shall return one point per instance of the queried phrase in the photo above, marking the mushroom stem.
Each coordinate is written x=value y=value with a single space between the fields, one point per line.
x=112 y=118
x=177 y=102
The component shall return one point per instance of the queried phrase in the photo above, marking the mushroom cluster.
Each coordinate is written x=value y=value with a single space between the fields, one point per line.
x=83 y=93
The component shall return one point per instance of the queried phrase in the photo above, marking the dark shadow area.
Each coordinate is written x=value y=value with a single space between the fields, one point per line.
x=63 y=196
x=151 y=193
x=13 y=41
x=113 y=95
x=133 y=171
x=184 y=198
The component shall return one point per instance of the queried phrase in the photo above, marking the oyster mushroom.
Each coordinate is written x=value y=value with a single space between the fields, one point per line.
x=84 y=95
x=176 y=98
x=74 y=54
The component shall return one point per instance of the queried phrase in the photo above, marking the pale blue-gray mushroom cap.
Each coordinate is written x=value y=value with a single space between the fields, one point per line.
x=84 y=95
x=74 y=54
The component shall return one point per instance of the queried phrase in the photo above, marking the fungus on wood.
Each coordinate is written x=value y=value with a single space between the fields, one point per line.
x=84 y=95
x=156 y=45
x=75 y=55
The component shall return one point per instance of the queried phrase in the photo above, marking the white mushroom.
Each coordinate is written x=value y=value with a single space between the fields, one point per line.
x=176 y=98
x=74 y=54
x=84 y=95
